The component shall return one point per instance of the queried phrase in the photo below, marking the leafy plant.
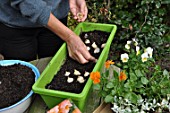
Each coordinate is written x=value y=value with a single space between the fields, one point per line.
x=141 y=85
x=146 y=20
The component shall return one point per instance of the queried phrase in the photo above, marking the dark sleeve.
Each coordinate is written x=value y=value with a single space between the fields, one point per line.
x=36 y=11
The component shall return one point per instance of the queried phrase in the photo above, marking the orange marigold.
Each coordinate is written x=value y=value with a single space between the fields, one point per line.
x=95 y=76
x=108 y=63
x=122 y=76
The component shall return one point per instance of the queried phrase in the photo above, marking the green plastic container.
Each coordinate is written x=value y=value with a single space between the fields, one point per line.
x=53 y=97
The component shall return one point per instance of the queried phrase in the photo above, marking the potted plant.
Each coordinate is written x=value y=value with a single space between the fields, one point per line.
x=139 y=85
x=54 y=97
x=17 y=78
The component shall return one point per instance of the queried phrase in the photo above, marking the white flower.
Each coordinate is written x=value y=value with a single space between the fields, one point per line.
x=144 y=57
x=87 y=41
x=103 y=45
x=96 y=50
x=140 y=101
x=137 y=50
x=94 y=45
x=164 y=102
x=80 y=79
x=129 y=42
x=145 y=106
x=154 y=101
x=135 y=41
x=67 y=73
x=124 y=57
x=70 y=80
x=127 y=46
x=86 y=74
x=76 y=72
x=127 y=109
x=149 y=50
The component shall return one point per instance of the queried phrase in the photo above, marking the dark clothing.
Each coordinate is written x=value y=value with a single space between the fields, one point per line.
x=28 y=43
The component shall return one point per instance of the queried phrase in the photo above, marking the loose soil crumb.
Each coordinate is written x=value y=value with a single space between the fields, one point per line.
x=15 y=83
x=59 y=81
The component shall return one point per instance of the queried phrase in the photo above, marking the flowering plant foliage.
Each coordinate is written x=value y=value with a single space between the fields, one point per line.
x=140 y=86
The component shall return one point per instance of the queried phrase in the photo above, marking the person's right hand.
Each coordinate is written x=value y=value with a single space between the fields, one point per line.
x=78 y=50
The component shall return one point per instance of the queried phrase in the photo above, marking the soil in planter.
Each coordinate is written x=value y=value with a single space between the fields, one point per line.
x=15 y=83
x=59 y=81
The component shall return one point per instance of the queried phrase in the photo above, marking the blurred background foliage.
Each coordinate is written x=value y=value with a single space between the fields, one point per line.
x=146 y=20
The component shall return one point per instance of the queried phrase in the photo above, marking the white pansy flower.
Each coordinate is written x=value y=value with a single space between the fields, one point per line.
x=137 y=50
x=87 y=41
x=80 y=79
x=96 y=50
x=144 y=57
x=149 y=50
x=129 y=42
x=135 y=43
x=76 y=72
x=124 y=57
x=70 y=80
x=103 y=45
x=134 y=39
x=94 y=45
x=67 y=73
x=127 y=46
x=86 y=74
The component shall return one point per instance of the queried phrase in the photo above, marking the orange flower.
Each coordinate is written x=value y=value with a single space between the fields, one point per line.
x=95 y=76
x=64 y=106
x=122 y=76
x=108 y=63
x=76 y=110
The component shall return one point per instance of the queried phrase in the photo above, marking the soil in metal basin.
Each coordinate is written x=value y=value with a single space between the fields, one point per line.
x=59 y=81
x=15 y=83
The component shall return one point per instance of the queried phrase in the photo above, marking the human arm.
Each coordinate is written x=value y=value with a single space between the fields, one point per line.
x=77 y=49
x=37 y=11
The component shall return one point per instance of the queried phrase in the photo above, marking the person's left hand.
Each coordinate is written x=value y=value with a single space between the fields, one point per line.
x=79 y=9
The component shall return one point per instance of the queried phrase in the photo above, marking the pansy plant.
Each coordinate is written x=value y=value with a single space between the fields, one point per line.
x=141 y=86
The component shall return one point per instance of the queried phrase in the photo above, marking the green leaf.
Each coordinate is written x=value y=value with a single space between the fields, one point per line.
x=108 y=99
x=110 y=85
x=165 y=91
x=113 y=92
x=138 y=73
x=132 y=97
x=144 y=80
x=158 y=5
x=96 y=87
x=165 y=73
x=133 y=76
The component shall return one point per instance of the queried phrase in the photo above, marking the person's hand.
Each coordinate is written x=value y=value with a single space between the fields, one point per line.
x=78 y=50
x=79 y=9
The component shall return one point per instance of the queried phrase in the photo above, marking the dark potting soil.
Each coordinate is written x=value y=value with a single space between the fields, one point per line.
x=15 y=83
x=59 y=81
